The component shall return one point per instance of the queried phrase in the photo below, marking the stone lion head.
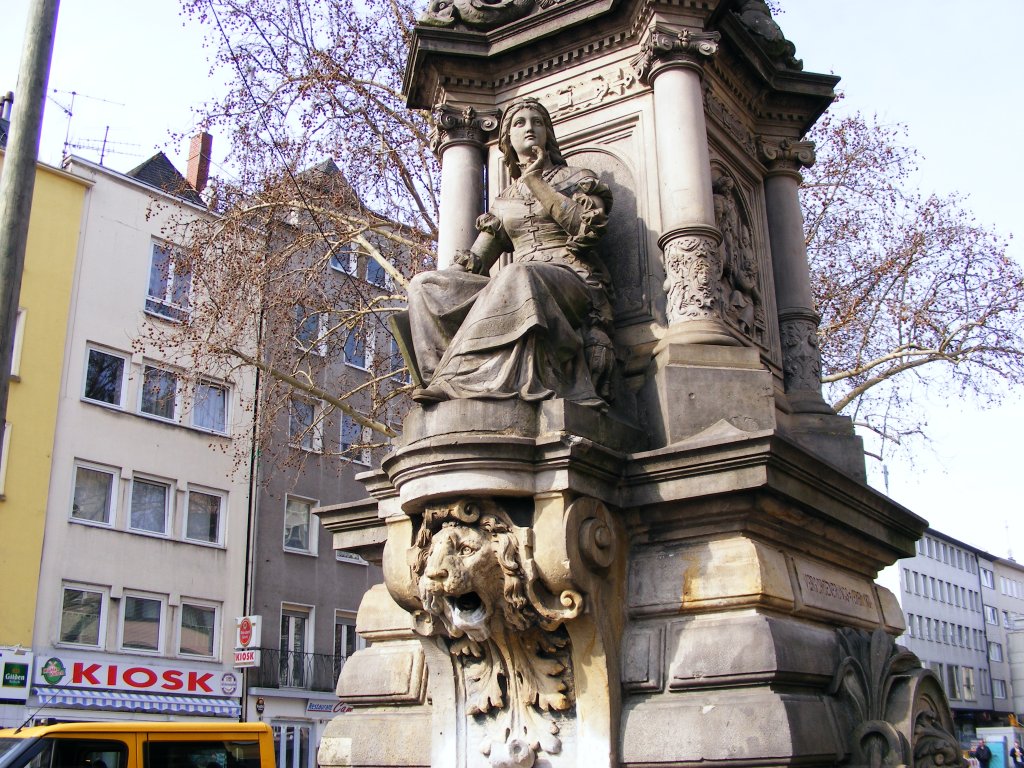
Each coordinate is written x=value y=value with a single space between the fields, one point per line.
x=469 y=571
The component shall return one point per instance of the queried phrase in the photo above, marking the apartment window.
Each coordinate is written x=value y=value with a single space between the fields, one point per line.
x=353 y=434
x=931 y=548
x=82 y=616
x=197 y=629
x=359 y=346
x=159 y=393
x=294 y=626
x=927 y=629
x=346 y=259
x=309 y=330
x=93 y=500
x=149 y=506
x=19 y=340
x=299 y=525
x=304 y=426
x=987 y=578
x=953 y=681
x=920 y=546
x=917 y=583
x=924 y=586
x=906 y=580
x=375 y=273
x=920 y=626
x=204 y=515
x=991 y=615
x=104 y=377
x=995 y=651
x=141 y=619
x=968 y=683
x=986 y=686
x=170 y=283
x=960 y=559
x=210 y=409
x=910 y=624
x=998 y=688
x=1006 y=620
x=346 y=641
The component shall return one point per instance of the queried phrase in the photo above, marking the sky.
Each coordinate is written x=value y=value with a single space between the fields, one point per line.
x=949 y=72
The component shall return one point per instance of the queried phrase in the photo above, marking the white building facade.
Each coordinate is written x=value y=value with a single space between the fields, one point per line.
x=144 y=555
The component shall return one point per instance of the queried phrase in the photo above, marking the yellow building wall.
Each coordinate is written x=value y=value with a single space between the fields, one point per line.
x=50 y=257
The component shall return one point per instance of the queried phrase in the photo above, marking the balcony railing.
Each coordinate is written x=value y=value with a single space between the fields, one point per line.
x=304 y=671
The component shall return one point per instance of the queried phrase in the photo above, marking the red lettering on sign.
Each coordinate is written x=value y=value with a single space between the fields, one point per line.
x=112 y=674
x=172 y=680
x=148 y=675
x=82 y=674
x=198 y=682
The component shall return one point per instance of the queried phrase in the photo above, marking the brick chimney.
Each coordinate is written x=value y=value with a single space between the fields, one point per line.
x=199 y=160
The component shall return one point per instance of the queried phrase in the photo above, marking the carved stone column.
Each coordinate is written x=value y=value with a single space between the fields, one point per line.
x=798 y=322
x=459 y=141
x=670 y=61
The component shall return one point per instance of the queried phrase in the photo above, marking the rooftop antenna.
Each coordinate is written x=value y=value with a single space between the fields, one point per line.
x=69 y=110
x=1009 y=549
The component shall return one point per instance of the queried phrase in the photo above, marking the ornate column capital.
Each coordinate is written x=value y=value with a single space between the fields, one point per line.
x=461 y=125
x=786 y=156
x=664 y=47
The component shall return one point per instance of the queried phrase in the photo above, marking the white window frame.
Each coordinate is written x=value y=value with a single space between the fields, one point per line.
x=386 y=281
x=161 y=626
x=218 y=541
x=101 y=630
x=363 y=456
x=988 y=578
x=169 y=499
x=998 y=688
x=115 y=487
x=204 y=604
x=306 y=612
x=991 y=615
x=317 y=345
x=211 y=384
x=311 y=437
x=312 y=531
x=6 y=448
x=19 y=340
x=995 y=651
x=365 y=329
x=125 y=371
x=350 y=264
x=164 y=306
x=175 y=406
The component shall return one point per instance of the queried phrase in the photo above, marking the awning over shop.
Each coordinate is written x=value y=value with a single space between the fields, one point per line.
x=137 y=702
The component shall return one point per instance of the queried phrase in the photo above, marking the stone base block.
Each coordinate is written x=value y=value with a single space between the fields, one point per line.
x=401 y=737
x=698 y=386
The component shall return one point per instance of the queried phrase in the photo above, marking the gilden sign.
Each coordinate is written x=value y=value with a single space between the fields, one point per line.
x=103 y=675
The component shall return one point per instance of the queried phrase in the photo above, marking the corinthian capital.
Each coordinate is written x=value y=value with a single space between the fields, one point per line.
x=461 y=125
x=665 y=46
x=786 y=155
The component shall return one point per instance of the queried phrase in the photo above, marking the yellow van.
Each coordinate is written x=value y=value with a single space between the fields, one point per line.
x=138 y=745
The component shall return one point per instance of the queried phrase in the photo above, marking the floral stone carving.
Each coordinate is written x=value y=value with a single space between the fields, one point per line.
x=897 y=711
x=481 y=592
x=741 y=291
x=693 y=264
x=481 y=15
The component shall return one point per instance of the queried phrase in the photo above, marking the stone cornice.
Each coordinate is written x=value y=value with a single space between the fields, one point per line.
x=663 y=47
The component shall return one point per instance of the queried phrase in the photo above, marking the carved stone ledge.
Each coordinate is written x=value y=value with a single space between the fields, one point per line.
x=462 y=125
x=664 y=47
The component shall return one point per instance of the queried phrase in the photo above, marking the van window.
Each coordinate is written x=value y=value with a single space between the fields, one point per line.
x=71 y=753
x=202 y=754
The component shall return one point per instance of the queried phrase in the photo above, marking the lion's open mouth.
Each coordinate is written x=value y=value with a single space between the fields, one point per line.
x=467 y=610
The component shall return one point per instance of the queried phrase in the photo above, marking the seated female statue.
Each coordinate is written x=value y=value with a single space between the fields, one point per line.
x=538 y=328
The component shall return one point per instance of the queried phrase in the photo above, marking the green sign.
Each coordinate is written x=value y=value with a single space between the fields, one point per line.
x=15 y=675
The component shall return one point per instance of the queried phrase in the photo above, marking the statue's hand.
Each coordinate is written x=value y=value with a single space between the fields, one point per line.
x=538 y=163
x=467 y=261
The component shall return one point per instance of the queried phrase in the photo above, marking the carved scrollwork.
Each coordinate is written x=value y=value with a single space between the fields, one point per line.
x=897 y=711
x=801 y=360
x=665 y=45
x=693 y=267
x=483 y=15
x=480 y=591
x=787 y=155
x=462 y=125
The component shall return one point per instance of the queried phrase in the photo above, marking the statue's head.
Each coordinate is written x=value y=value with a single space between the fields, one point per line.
x=512 y=160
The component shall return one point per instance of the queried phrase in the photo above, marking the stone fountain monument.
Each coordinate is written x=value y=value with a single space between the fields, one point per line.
x=622 y=527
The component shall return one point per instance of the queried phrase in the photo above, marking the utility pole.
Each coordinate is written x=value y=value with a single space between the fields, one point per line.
x=19 y=176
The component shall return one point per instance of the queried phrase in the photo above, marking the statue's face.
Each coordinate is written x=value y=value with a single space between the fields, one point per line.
x=526 y=132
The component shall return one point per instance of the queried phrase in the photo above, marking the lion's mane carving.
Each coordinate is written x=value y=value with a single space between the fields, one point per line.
x=468 y=567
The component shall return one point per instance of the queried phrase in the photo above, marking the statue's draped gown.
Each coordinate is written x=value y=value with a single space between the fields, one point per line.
x=519 y=333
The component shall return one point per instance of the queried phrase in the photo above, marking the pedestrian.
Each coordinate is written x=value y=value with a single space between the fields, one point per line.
x=1017 y=755
x=982 y=753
